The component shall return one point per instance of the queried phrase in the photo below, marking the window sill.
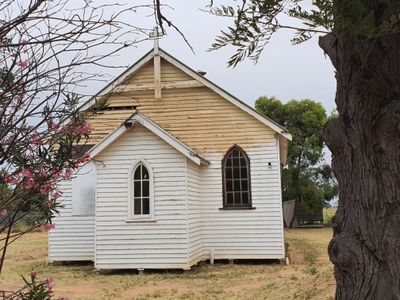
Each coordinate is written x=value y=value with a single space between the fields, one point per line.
x=141 y=221
x=237 y=208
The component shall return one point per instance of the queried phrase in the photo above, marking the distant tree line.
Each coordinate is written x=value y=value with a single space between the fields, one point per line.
x=307 y=178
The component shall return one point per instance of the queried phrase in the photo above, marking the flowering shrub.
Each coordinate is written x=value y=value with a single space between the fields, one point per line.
x=35 y=289
x=40 y=144
x=43 y=45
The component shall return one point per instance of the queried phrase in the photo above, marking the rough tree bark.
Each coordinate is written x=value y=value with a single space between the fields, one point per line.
x=365 y=143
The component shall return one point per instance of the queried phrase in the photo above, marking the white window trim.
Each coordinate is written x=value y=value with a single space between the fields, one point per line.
x=131 y=216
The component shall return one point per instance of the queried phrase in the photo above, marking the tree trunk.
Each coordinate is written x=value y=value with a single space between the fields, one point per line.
x=365 y=143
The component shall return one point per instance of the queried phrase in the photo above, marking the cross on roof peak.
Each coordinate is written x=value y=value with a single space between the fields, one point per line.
x=156 y=35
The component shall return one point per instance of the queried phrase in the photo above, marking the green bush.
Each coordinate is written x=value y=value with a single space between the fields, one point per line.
x=328 y=216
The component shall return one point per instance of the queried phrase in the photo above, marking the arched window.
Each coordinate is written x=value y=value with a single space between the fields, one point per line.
x=236 y=179
x=141 y=191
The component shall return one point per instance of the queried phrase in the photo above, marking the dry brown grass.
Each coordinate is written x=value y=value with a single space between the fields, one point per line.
x=308 y=277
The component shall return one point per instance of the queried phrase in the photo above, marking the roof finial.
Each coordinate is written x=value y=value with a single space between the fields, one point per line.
x=156 y=37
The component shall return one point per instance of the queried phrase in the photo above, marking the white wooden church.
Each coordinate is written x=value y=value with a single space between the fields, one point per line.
x=182 y=172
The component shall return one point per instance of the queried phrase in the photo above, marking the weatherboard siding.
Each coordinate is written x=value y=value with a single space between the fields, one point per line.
x=195 y=214
x=196 y=116
x=158 y=244
x=72 y=239
x=188 y=222
x=244 y=234
x=202 y=117
x=105 y=122
x=236 y=234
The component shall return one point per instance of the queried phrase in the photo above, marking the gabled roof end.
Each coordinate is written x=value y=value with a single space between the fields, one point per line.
x=139 y=118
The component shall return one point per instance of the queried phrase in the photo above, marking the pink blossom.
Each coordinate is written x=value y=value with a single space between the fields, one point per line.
x=45 y=188
x=43 y=173
x=36 y=139
x=10 y=180
x=83 y=129
x=23 y=64
x=27 y=173
x=56 y=174
x=49 y=203
x=53 y=126
x=56 y=195
x=84 y=159
x=4 y=213
x=34 y=273
x=30 y=184
x=68 y=173
x=49 y=283
x=49 y=226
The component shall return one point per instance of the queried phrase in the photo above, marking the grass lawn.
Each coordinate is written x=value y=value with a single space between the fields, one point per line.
x=309 y=276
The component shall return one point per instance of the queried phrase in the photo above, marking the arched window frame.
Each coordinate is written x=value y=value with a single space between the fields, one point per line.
x=224 y=180
x=131 y=214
